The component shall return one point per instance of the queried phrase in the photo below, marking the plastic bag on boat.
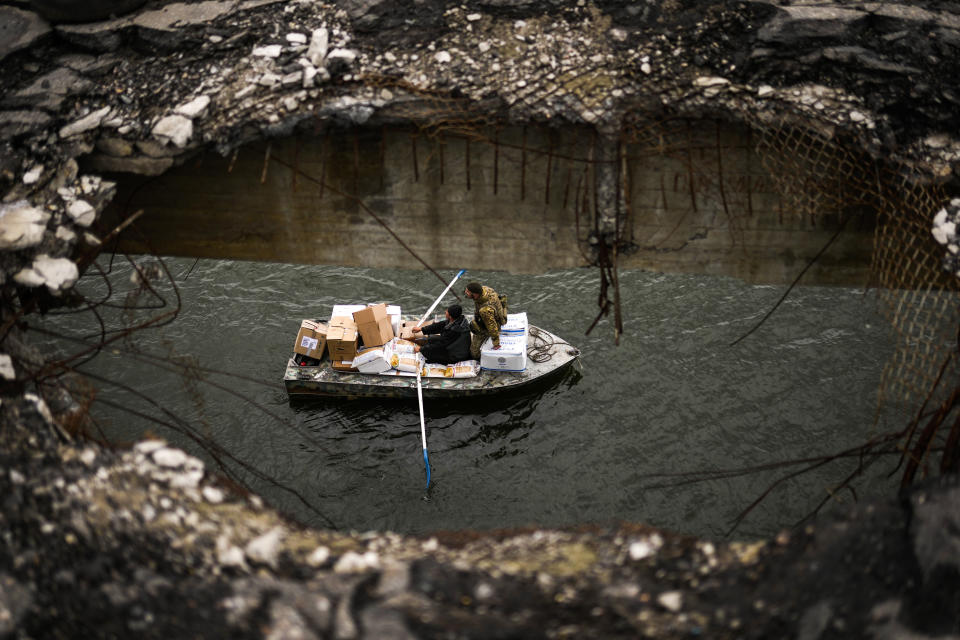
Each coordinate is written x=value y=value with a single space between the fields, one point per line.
x=374 y=360
x=410 y=363
x=435 y=371
x=402 y=346
x=465 y=369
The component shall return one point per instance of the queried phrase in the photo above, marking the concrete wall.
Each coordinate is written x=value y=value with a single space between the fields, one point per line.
x=696 y=198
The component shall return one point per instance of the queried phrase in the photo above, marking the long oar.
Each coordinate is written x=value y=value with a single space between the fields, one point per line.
x=423 y=425
x=423 y=430
x=440 y=297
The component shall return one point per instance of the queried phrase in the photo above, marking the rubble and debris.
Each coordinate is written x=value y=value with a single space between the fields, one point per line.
x=156 y=547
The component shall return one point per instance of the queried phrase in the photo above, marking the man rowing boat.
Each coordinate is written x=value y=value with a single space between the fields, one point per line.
x=448 y=341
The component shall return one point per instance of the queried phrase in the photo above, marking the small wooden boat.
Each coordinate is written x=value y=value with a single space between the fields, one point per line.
x=547 y=356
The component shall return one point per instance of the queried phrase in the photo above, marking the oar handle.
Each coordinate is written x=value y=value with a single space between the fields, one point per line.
x=440 y=297
x=423 y=428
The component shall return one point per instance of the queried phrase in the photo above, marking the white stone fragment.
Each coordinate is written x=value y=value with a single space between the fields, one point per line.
x=856 y=116
x=58 y=274
x=640 y=550
x=243 y=93
x=6 y=367
x=389 y=57
x=319 y=556
x=82 y=212
x=41 y=405
x=174 y=128
x=319 y=43
x=90 y=121
x=296 y=77
x=940 y=218
x=442 y=57
x=16 y=477
x=189 y=479
x=21 y=225
x=269 y=79
x=710 y=81
x=645 y=547
x=31 y=176
x=671 y=600
x=266 y=548
x=212 y=495
x=229 y=555
x=171 y=458
x=147 y=447
x=194 y=108
x=940 y=235
x=937 y=141
x=88 y=457
x=297 y=38
x=344 y=55
x=352 y=562
x=268 y=51
x=483 y=46
x=309 y=73
x=148 y=512
x=473 y=17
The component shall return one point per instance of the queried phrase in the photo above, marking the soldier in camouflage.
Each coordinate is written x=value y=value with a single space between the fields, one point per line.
x=490 y=315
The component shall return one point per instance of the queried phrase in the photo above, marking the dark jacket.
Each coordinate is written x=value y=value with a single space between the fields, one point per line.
x=448 y=342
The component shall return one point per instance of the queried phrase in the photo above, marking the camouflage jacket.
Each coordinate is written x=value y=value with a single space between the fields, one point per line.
x=489 y=315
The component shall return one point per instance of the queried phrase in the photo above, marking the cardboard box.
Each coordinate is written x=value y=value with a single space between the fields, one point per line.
x=393 y=312
x=342 y=338
x=516 y=324
x=346 y=310
x=374 y=325
x=373 y=360
x=344 y=366
x=511 y=356
x=311 y=340
x=405 y=330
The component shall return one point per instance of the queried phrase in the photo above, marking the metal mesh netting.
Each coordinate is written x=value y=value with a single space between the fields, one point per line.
x=819 y=176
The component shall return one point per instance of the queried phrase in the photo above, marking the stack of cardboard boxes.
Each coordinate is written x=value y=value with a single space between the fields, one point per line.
x=351 y=328
x=367 y=338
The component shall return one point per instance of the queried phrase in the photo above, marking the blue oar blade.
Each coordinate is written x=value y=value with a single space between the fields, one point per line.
x=426 y=462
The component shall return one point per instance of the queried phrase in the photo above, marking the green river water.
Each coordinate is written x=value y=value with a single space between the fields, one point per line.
x=674 y=397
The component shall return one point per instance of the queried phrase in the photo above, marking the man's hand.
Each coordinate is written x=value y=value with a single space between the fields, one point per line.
x=416 y=348
x=416 y=329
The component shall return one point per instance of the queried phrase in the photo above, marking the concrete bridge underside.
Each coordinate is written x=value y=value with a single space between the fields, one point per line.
x=696 y=197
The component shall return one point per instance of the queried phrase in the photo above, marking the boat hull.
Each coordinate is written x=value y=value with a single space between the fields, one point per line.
x=547 y=356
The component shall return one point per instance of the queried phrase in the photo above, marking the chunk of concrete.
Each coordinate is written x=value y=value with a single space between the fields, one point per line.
x=319 y=43
x=90 y=121
x=21 y=225
x=174 y=128
x=58 y=274
x=194 y=108
x=16 y=123
x=82 y=212
x=49 y=90
x=19 y=29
